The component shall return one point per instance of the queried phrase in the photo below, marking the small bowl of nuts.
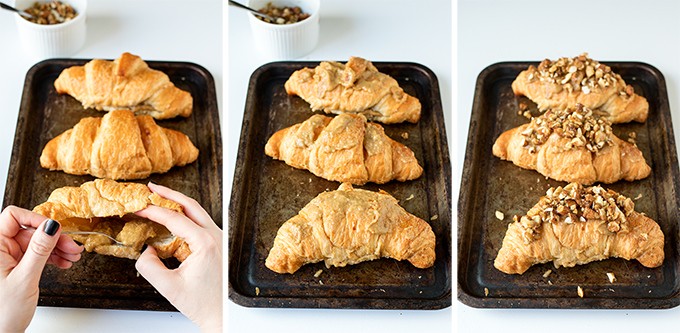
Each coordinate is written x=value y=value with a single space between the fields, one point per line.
x=293 y=32
x=56 y=28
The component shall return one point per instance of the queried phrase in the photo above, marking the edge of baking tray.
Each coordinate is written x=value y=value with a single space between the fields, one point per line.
x=236 y=203
x=464 y=203
x=16 y=164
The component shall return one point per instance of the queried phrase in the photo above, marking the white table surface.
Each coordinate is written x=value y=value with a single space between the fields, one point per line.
x=173 y=30
x=493 y=31
x=415 y=31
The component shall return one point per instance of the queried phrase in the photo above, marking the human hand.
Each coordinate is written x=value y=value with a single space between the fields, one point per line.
x=23 y=255
x=195 y=287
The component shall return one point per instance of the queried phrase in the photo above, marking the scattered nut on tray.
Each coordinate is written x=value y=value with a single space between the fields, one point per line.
x=283 y=15
x=53 y=12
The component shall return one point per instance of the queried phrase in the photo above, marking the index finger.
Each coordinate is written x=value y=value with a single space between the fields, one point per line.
x=177 y=223
x=13 y=217
x=191 y=207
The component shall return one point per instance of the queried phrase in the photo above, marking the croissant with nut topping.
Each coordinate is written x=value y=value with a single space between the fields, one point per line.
x=572 y=145
x=580 y=80
x=574 y=226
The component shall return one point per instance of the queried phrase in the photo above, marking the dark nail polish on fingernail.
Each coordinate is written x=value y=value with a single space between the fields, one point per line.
x=51 y=227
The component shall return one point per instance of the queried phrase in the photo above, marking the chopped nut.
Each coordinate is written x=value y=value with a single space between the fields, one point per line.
x=580 y=74
x=523 y=106
x=318 y=273
x=434 y=217
x=547 y=273
x=404 y=135
x=486 y=291
x=638 y=196
x=579 y=291
x=282 y=15
x=611 y=277
x=527 y=114
x=257 y=291
x=409 y=197
x=500 y=215
x=579 y=124
x=320 y=282
x=576 y=204
x=51 y=12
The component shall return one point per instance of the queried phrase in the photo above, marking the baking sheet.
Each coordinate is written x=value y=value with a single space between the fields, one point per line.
x=489 y=185
x=101 y=281
x=267 y=192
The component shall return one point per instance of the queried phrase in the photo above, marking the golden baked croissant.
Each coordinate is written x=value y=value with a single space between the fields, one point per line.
x=107 y=206
x=569 y=81
x=118 y=146
x=345 y=148
x=356 y=87
x=125 y=83
x=575 y=225
x=349 y=226
x=572 y=145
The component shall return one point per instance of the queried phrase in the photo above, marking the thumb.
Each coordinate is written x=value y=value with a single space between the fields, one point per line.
x=40 y=247
x=154 y=271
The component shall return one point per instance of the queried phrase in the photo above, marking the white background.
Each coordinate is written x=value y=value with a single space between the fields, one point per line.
x=173 y=30
x=379 y=30
x=494 y=31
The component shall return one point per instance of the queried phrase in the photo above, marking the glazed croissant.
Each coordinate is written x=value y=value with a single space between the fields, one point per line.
x=356 y=87
x=575 y=225
x=108 y=207
x=349 y=226
x=118 y=146
x=125 y=83
x=569 y=81
x=345 y=148
x=572 y=145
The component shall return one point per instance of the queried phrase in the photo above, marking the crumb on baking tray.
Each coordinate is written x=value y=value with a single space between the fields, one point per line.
x=500 y=215
x=547 y=273
x=579 y=291
x=611 y=277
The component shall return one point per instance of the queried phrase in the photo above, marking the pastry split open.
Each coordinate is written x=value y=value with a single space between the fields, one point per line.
x=345 y=148
x=349 y=226
x=566 y=82
x=575 y=225
x=572 y=145
x=119 y=145
x=354 y=87
x=125 y=83
x=107 y=206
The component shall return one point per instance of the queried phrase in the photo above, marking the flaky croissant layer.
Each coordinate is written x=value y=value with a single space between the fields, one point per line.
x=108 y=207
x=125 y=83
x=344 y=148
x=118 y=146
x=349 y=226
x=355 y=87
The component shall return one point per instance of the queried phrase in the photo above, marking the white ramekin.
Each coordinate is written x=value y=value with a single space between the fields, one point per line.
x=289 y=41
x=49 y=41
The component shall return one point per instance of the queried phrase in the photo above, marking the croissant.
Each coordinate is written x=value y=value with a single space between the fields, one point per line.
x=349 y=226
x=356 y=87
x=574 y=226
x=572 y=145
x=118 y=146
x=125 y=83
x=108 y=207
x=345 y=149
x=581 y=80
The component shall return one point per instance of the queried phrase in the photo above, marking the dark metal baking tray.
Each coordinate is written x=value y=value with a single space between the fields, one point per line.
x=98 y=281
x=266 y=193
x=489 y=184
